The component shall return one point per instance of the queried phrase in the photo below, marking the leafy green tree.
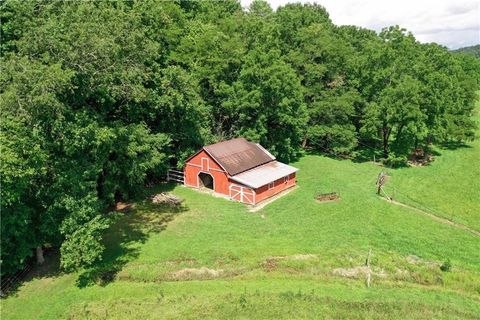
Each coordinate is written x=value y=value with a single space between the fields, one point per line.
x=260 y=8
x=213 y=58
x=321 y=59
x=397 y=116
x=268 y=96
x=78 y=76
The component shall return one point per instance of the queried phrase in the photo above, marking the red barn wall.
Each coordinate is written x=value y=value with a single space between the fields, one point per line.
x=202 y=162
x=264 y=192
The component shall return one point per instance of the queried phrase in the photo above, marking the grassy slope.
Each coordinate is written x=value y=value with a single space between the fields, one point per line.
x=450 y=186
x=148 y=246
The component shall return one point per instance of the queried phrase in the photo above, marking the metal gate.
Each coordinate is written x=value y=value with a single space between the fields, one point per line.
x=175 y=175
x=242 y=194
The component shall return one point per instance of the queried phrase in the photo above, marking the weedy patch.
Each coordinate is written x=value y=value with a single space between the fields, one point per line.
x=359 y=272
x=272 y=263
x=302 y=257
x=202 y=273
x=307 y=256
x=412 y=259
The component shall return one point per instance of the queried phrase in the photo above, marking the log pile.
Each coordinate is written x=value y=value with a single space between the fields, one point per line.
x=167 y=198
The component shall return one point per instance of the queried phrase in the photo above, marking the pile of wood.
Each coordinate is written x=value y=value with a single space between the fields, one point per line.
x=332 y=196
x=419 y=158
x=166 y=198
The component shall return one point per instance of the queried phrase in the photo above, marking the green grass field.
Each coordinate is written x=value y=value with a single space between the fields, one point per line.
x=295 y=258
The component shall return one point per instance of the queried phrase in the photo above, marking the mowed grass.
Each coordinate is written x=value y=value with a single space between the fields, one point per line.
x=295 y=258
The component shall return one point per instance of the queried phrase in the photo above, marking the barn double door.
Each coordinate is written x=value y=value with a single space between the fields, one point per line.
x=242 y=194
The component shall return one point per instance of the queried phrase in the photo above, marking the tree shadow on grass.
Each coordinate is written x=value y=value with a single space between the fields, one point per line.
x=454 y=145
x=313 y=152
x=50 y=268
x=130 y=229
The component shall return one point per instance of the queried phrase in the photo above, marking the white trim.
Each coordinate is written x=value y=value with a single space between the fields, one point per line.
x=219 y=164
x=208 y=163
x=266 y=151
x=271 y=185
x=210 y=169
x=244 y=193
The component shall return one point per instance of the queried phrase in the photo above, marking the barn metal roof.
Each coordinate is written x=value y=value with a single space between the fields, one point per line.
x=264 y=174
x=238 y=155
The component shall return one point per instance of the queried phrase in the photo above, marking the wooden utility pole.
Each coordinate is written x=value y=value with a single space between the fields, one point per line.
x=381 y=180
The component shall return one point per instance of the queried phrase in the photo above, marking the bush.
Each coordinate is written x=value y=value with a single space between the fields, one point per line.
x=395 y=161
x=446 y=266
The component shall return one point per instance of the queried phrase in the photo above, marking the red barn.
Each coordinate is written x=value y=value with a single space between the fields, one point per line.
x=242 y=170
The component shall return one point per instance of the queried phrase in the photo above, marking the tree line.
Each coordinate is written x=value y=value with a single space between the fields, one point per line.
x=99 y=97
x=471 y=50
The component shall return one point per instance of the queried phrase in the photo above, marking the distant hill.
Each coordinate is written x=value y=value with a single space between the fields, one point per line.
x=473 y=50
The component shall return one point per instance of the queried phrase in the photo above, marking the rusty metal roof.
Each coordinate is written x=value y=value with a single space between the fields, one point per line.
x=264 y=174
x=238 y=155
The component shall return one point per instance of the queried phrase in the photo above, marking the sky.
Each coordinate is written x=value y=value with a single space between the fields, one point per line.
x=452 y=23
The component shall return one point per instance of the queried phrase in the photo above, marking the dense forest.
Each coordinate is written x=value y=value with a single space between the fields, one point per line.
x=472 y=50
x=100 y=97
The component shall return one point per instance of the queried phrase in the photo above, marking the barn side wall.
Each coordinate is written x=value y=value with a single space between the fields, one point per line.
x=265 y=192
x=202 y=162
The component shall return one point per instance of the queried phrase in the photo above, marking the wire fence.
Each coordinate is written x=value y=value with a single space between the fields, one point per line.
x=10 y=283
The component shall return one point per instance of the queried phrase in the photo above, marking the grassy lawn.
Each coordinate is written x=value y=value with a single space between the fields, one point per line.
x=295 y=258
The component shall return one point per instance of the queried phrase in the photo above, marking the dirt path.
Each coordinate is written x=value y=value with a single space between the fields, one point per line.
x=435 y=217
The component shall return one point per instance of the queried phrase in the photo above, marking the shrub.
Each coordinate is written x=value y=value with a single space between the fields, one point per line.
x=446 y=266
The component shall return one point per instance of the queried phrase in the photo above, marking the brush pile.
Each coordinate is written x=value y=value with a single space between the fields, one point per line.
x=324 y=197
x=166 y=198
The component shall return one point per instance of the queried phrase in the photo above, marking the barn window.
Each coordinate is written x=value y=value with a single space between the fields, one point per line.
x=285 y=179
x=271 y=185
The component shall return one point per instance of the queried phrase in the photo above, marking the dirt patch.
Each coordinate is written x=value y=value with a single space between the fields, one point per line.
x=122 y=206
x=270 y=264
x=202 y=273
x=359 y=272
x=327 y=197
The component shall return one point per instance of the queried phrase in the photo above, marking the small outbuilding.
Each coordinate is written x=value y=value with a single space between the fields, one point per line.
x=242 y=170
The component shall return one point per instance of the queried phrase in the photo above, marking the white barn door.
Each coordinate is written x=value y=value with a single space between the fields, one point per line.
x=242 y=194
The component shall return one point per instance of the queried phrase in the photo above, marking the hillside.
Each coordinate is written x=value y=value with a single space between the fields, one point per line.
x=472 y=50
x=295 y=258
